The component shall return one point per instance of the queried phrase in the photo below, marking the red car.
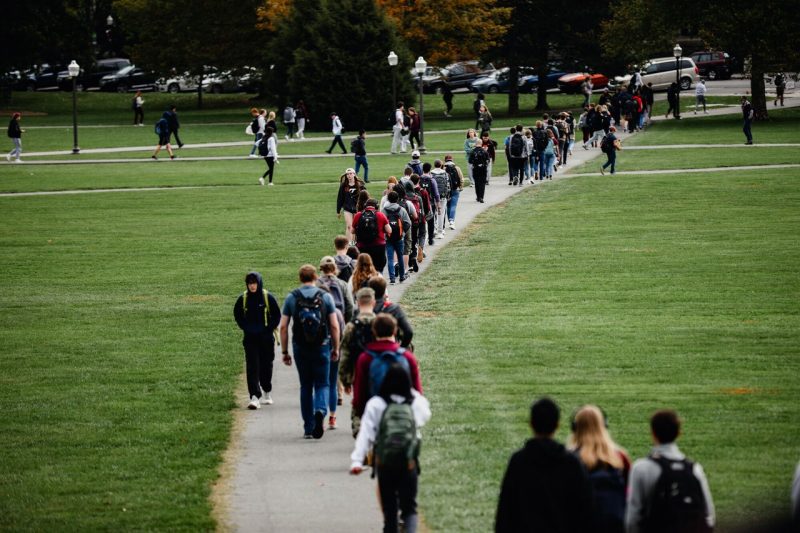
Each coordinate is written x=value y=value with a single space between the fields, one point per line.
x=571 y=83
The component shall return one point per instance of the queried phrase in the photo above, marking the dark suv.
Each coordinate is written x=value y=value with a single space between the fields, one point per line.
x=90 y=78
x=713 y=65
x=462 y=74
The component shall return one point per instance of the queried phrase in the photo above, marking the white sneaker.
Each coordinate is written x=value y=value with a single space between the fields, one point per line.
x=18 y=160
x=253 y=156
x=452 y=225
x=261 y=181
x=266 y=399
x=270 y=184
x=286 y=137
x=254 y=404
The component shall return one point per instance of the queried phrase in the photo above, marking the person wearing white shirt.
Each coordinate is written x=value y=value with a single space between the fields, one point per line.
x=336 y=129
x=700 y=96
x=270 y=153
x=399 y=141
x=393 y=484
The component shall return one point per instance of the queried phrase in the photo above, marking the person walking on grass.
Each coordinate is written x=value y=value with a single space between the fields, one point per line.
x=268 y=149
x=672 y=100
x=350 y=186
x=747 y=116
x=359 y=149
x=479 y=160
x=545 y=487
x=257 y=314
x=162 y=130
x=609 y=146
x=700 y=96
x=667 y=491
x=174 y=124
x=780 y=87
x=301 y=116
x=357 y=333
x=138 y=109
x=289 y=119
x=257 y=126
x=371 y=228
x=15 y=134
x=315 y=343
x=447 y=97
x=456 y=178
x=336 y=129
x=390 y=425
x=400 y=223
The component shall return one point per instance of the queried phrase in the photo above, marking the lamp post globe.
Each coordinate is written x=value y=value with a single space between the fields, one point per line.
x=420 y=66
x=678 y=53
x=109 y=20
x=74 y=70
x=392 y=59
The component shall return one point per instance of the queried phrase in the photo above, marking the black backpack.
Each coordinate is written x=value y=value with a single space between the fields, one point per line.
x=309 y=319
x=254 y=125
x=452 y=173
x=263 y=146
x=678 y=503
x=361 y=336
x=608 y=489
x=479 y=158
x=367 y=229
x=605 y=145
x=425 y=184
x=516 y=146
x=540 y=139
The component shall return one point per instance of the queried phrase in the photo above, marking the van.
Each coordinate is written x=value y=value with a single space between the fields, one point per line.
x=661 y=72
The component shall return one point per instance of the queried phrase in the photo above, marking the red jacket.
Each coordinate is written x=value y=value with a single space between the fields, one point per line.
x=382 y=222
x=361 y=377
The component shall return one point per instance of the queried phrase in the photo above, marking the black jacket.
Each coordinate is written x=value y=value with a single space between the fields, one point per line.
x=14 y=131
x=172 y=120
x=252 y=323
x=404 y=330
x=545 y=489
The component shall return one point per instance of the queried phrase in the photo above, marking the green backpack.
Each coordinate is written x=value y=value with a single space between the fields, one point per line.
x=397 y=445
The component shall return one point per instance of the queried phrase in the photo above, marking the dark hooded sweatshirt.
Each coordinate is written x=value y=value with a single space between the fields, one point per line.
x=252 y=322
x=545 y=489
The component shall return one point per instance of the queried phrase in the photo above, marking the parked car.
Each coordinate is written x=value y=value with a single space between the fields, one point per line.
x=713 y=65
x=177 y=84
x=42 y=78
x=571 y=83
x=530 y=83
x=662 y=71
x=432 y=80
x=130 y=78
x=496 y=82
x=221 y=82
x=462 y=74
x=90 y=78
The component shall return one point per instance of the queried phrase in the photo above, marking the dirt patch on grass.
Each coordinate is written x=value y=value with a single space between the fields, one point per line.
x=739 y=391
x=200 y=298
x=220 y=497
x=5 y=112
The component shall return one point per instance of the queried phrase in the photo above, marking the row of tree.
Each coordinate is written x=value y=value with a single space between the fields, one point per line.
x=332 y=53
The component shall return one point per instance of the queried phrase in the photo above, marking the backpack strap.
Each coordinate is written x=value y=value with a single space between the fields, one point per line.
x=266 y=304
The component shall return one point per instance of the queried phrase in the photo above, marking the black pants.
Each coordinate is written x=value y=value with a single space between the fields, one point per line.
x=270 y=168
x=517 y=169
x=672 y=107
x=414 y=135
x=378 y=255
x=431 y=225
x=259 y=354
x=177 y=139
x=138 y=115
x=397 y=487
x=337 y=139
x=562 y=151
x=480 y=182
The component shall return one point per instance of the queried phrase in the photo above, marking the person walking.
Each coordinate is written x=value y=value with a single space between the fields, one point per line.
x=456 y=186
x=550 y=154
x=174 y=124
x=258 y=126
x=289 y=120
x=15 y=134
x=301 y=116
x=490 y=145
x=517 y=155
x=405 y=332
x=257 y=314
x=315 y=343
x=371 y=228
x=350 y=186
x=469 y=144
x=399 y=131
x=780 y=87
x=413 y=127
x=400 y=224
x=479 y=160
x=485 y=120
x=545 y=487
x=609 y=146
x=476 y=107
x=336 y=129
x=672 y=100
x=357 y=333
x=439 y=175
x=747 y=116
x=268 y=148
x=667 y=491
x=162 y=130
x=447 y=97
x=700 y=96
x=390 y=425
x=138 y=109
x=608 y=466
x=359 y=148
x=586 y=89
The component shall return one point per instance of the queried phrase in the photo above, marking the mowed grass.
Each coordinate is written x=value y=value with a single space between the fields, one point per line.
x=119 y=352
x=634 y=294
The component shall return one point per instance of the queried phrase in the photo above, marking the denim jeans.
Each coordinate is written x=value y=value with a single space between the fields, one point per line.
x=333 y=386
x=17 y=151
x=452 y=203
x=746 y=130
x=392 y=249
x=542 y=165
x=313 y=369
x=290 y=130
x=361 y=160
x=612 y=160
x=255 y=144
x=549 y=159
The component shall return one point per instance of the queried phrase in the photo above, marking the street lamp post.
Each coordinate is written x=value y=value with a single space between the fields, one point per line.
x=420 y=67
x=110 y=34
x=74 y=69
x=678 y=52
x=392 y=64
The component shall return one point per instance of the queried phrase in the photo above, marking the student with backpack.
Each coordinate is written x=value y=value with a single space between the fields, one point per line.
x=479 y=160
x=357 y=334
x=344 y=263
x=371 y=228
x=456 y=178
x=390 y=426
x=428 y=184
x=378 y=355
x=608 y=466
x=359 y=148
x=609 y=146
x=268 y=149
x=418 y=225
x=350 y=186
x=174 y=123
x=162 y=130
x=138 y=109
x=517 y=154
x=668 y=492
x=400 y=224
x=442 y=180
x=289 y=120
x=315 y=343
x=257 y=314
x=405 y=332
x=539 y=135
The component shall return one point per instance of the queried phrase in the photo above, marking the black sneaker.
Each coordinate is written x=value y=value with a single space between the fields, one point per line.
x=319 y=425
x=397 y=270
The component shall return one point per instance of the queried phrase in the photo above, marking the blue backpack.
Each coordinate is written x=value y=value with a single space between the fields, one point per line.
x=381 y=362
x=162 y=128
x=309 y=321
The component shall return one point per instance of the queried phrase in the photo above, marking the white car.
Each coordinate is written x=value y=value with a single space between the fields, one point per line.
x=177 y=84
x=662 y=71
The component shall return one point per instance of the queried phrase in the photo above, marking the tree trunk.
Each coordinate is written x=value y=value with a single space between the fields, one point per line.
x=758 y=90
x=513 y=90
x=541 y=88
x=200 y=90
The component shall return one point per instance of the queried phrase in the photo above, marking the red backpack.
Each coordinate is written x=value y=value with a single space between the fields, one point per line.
x=416 y=201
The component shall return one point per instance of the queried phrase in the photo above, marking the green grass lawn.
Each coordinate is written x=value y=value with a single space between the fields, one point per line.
x=119 y=355
x=634 y=294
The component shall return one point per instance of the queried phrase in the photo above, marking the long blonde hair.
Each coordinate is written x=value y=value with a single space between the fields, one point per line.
x=363 y=270
x=591 y=440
